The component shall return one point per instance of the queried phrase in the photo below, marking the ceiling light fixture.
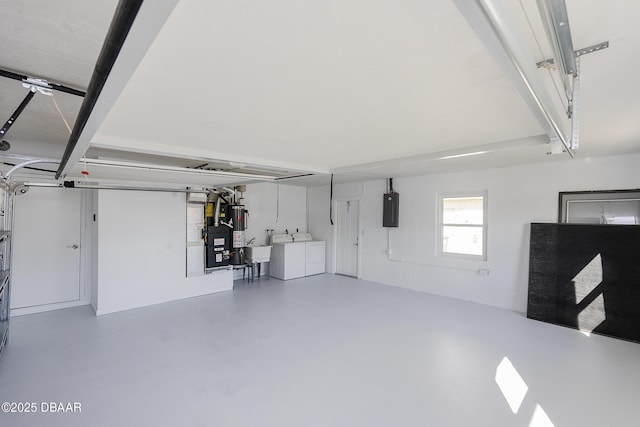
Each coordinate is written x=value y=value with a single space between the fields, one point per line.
x=455 y=156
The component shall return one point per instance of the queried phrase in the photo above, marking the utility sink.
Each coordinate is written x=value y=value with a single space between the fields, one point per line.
x=257 y=254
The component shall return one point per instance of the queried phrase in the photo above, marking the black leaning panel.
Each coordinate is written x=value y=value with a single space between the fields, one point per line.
x=558 y=253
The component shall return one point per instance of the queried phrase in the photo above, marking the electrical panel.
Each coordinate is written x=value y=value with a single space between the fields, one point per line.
x=390 y=206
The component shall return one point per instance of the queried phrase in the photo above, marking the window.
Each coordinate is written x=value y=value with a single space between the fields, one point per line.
x=600 y=207
x=463 y=225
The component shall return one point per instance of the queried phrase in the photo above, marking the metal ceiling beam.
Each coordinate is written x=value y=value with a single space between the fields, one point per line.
x=122 y=22
x=496 y=32
x=556 y=21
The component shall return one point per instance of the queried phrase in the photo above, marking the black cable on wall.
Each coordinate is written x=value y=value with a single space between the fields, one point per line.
x=331 y=201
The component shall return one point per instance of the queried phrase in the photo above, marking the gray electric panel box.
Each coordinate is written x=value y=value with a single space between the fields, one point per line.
x=390 y=205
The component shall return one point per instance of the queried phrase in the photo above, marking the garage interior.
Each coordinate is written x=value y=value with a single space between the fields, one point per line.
x=285 y=213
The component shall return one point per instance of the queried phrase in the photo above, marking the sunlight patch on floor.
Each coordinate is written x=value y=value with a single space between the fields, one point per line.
x=540 y=418
x=511 y=384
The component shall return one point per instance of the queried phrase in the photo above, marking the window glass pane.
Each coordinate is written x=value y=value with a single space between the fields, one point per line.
x=603 y=211
x=462 y=240
x=462 y=210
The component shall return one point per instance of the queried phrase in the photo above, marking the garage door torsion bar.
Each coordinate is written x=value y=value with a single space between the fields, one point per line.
x=49 y=85
x=120 y=25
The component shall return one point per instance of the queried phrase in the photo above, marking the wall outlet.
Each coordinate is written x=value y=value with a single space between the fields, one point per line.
x=483 y=272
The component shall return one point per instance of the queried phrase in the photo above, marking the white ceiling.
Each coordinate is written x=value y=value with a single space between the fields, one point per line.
x=317 y=85
x=363 y=89
x=58 y=41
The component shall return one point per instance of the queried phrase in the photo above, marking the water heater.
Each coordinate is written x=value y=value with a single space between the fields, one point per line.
x=237 y=217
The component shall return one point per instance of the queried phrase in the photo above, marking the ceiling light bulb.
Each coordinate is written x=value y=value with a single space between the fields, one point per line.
x=455 y=156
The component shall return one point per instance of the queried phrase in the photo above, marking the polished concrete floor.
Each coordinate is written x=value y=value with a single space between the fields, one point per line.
x=320 y=351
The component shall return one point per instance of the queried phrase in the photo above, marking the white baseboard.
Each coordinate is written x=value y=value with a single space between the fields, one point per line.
x=46 y=307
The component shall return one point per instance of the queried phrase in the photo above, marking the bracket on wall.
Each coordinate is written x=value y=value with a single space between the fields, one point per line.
x=573 y=109
x=550 y=62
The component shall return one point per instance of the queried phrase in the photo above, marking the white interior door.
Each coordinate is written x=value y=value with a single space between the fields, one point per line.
x=46 y=248
x=347 y=237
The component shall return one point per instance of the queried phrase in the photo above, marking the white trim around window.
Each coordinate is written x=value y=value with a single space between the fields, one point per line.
x=462 y=225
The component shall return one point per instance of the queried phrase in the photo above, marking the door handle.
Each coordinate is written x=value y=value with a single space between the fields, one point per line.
x=73 y=247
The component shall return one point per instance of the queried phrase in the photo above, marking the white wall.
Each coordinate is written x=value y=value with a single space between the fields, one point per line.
x=517 y=196
x=141 y=236
x=142 y=252
x=278 y=207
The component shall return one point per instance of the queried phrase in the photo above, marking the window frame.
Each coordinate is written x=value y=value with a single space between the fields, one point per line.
x=440 y=224
x=565 y=198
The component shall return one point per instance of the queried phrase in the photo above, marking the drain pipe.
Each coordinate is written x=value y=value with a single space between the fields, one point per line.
x=120 y=25
x=216 y=218
x=231 y=191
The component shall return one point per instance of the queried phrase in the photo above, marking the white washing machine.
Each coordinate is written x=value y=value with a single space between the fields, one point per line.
x=314 y=253
x=296 y=255
x=288 y=258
